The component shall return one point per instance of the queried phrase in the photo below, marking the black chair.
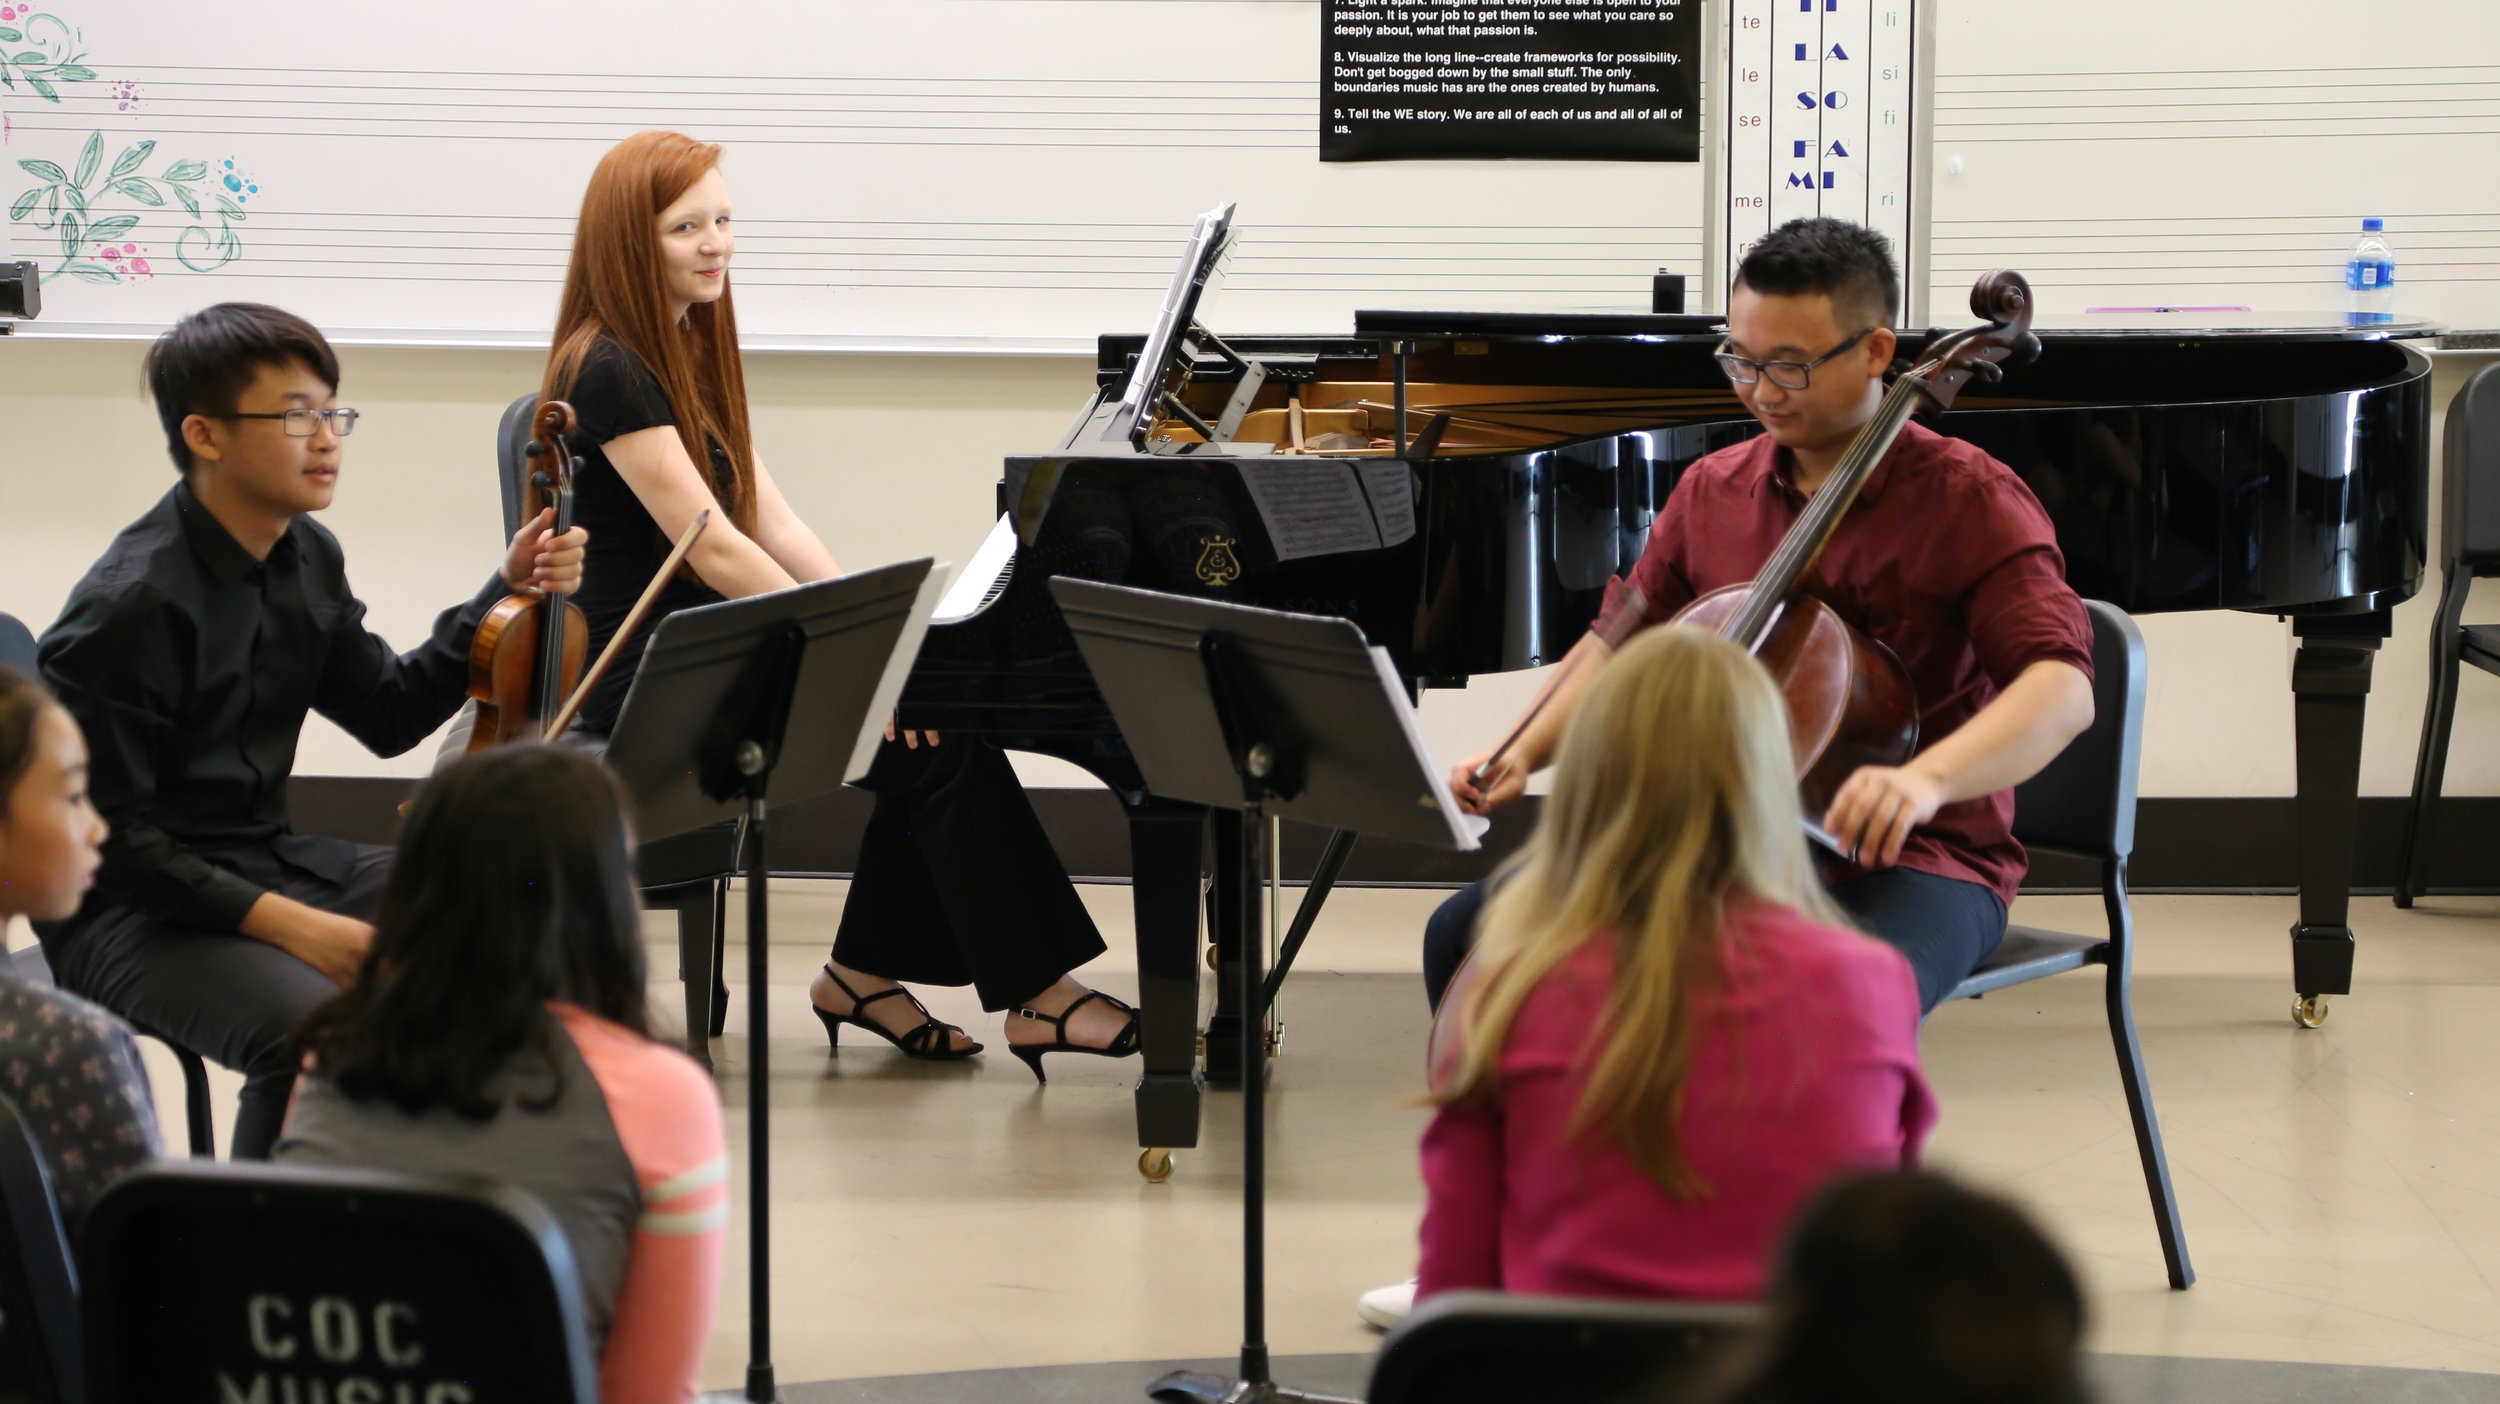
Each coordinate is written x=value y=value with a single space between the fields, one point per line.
x=2083 y=805
x=199 y=1115
x=17 y=645
x=2469 y=550
x=40 y=1359
x=688 y=874
x=275 y=1282
x=1465 y=1347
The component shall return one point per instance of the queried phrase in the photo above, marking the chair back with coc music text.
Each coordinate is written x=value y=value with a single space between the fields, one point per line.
x=277 y=1282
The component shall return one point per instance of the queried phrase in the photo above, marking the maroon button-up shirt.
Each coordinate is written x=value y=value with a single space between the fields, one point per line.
x=1946 y=557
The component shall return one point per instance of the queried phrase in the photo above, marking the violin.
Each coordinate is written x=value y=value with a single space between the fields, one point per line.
x=1850 y=702
x=527 y=655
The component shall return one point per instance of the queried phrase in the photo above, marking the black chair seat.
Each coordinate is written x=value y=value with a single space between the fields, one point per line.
x=2481 y=645
x=1466 y=1347
x=2029 y=953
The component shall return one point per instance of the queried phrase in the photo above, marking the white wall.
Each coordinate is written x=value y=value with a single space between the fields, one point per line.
x=893 y=457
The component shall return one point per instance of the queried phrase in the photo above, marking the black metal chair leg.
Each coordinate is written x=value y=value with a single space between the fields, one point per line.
x=2430 y=763
x=2119 y=996
x=720 y=957
x=202 y=1118
x=2148 y=1145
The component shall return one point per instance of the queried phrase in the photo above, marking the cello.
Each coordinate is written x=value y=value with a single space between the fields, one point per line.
x=1850 y=702
x=527 y=654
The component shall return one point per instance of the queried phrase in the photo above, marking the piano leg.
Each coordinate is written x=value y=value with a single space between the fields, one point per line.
x=2330 y=688
x=1165 y=844
x=1223 y=1051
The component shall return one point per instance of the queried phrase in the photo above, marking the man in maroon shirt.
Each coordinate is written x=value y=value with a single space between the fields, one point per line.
x=1945 y=557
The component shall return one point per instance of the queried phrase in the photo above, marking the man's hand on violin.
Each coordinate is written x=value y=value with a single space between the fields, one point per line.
x=541 y=560
x=1876 y=809
x=1508 y=782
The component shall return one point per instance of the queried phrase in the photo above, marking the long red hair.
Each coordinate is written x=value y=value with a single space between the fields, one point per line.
x=615 y=286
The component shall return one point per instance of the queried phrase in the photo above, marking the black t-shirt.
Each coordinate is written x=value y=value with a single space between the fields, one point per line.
x=615 y=394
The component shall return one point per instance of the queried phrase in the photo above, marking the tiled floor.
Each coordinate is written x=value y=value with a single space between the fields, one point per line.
x=2341 y=1187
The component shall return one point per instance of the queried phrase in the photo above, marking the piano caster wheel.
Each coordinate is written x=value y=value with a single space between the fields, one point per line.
x=1210 y=957
x=1155 y=1163
x=2309 y=1011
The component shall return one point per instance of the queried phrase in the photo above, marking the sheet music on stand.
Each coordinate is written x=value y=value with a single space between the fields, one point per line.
x=1366 y=766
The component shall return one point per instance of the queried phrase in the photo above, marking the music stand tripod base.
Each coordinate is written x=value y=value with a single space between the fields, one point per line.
x=1283 y=714
x=1181 y=1386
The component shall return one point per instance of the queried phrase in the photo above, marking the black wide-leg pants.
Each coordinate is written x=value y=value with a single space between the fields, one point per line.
x=957 y=883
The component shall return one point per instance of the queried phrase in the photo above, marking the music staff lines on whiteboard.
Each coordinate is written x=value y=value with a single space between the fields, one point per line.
x=1644 y=235
x=2291 y=105
x=578 y=79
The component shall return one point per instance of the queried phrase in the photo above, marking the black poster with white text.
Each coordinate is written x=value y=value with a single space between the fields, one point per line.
x=1599 y=80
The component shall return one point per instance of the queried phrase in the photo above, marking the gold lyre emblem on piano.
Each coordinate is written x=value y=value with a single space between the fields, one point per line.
x=1217 y=565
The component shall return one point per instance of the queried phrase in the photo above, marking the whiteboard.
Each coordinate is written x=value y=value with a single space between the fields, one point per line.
x=1018 y=175
x=1009 y=175
x=2150 y=152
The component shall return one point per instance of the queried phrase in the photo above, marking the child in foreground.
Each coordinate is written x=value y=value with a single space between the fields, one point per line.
x=1667 y=1039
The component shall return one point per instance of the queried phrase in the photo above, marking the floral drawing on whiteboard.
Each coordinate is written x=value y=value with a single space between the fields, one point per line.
x=39 y=52
x=77 y=204
x=93 y=207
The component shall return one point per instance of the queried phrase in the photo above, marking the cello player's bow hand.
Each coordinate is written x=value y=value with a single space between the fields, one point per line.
x=1877 y=808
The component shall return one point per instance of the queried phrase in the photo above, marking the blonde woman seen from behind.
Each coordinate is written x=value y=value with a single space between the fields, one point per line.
x=1667 y=1039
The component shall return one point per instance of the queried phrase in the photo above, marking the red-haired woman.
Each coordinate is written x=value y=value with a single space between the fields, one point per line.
x=956 y=880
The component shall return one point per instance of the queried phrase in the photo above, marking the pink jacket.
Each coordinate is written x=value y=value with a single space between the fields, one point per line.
x=1806 y=1069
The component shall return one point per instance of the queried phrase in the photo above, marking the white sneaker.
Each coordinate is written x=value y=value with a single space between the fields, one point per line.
x=1385 y=1307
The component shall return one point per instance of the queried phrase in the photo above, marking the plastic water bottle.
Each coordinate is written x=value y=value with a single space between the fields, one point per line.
x=2370 y=277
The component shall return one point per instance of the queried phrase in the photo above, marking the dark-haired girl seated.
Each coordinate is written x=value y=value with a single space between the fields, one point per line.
x=68 y=1066
x=497 y=1029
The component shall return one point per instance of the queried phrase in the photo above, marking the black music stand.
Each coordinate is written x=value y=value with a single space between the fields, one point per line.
x=1286 y=715
x=705 y=736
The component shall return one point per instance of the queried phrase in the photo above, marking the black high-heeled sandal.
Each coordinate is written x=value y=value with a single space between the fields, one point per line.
x=928 y=1042
x=1122 y=1046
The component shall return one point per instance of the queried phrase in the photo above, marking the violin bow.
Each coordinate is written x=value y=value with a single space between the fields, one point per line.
x=633 y=620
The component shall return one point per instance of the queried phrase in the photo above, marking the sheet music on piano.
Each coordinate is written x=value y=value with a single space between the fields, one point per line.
x=1325 y=507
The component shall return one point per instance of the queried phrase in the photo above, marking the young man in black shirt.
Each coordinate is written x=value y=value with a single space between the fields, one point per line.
x=190 y=653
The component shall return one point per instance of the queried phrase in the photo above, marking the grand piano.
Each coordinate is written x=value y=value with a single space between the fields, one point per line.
x=1463 y=486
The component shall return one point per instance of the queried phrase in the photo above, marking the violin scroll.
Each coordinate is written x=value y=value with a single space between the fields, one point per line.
x=528 y=650
x=551 y=462
x=2003 y=299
